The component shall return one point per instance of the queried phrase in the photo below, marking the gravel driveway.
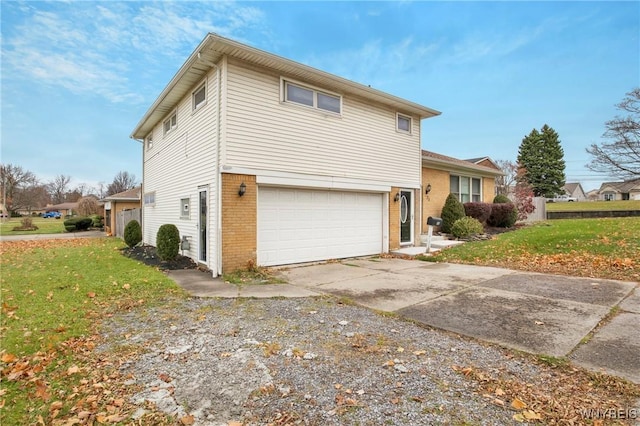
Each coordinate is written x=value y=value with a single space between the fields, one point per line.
x=317 y=361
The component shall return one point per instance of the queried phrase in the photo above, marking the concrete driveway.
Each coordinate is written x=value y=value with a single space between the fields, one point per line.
x=536 y=313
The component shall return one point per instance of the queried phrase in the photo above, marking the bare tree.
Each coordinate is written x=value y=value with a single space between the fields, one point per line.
x=58 y=188
x=13 y=179
x=123 y=181
x=620 y=155
x=31 y=197
x=88 y=206
x=506 y=184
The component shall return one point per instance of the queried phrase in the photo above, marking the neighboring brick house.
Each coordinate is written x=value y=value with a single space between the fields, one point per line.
x=114 y=204
x=444 y=175
x=260 y=159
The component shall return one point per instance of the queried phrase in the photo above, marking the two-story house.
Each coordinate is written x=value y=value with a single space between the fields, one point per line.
x=257 y=158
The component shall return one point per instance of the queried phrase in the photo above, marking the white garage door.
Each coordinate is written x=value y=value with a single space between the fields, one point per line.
x=303 y=225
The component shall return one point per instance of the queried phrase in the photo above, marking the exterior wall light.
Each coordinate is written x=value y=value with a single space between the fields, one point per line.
x=427 y=189
x=397 y=197
x=242 y=189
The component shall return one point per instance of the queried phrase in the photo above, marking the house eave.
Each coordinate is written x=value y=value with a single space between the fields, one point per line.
x=471 y=168
x=213 y=47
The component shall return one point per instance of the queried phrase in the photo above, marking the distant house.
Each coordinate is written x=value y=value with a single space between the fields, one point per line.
x=484 y=161
x=575 y=190
x=116 y=203
x=443 y=175
x=66 y=209
x=593 y=195
x=626 y=190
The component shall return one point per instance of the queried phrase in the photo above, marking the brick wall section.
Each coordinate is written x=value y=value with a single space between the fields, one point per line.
x=239 y=223
x=394 y=220
x=488 y=189
x=432 y=204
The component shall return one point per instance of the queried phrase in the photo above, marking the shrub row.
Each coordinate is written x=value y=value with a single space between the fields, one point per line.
x=78 y=224
x=502 y=213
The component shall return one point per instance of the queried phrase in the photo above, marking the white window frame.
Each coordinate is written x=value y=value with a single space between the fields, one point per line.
x=284 y=83
x=149 y=199
x=148 y=142
x=196 y=106
x=404 y=117
x=173 y=122
x=185 y=208
x=470 y=180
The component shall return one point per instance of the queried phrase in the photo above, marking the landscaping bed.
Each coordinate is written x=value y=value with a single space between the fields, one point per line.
x=149 y=256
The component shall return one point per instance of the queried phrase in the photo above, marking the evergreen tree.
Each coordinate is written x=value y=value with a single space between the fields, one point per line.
x=541 y=159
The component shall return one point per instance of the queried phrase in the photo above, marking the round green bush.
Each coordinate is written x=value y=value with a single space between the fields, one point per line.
x=452 y=211
x=503 y=215
x=132 y=233
x=168 y=242
x=501 y=199
x=466 y=227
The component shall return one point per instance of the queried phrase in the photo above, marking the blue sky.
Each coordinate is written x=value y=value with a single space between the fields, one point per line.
x=77 y=75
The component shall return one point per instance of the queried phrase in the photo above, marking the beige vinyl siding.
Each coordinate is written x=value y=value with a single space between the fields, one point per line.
x=362 y=143
x=177 y=165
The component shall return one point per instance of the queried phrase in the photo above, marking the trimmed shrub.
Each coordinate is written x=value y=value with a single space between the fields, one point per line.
x=97 y=221
x=78 y=224
x=479 y=211
x=168 y=242
x=452 y=211
x=501 y=199
x=132 y=233
x=503 y=215
x=466 y=227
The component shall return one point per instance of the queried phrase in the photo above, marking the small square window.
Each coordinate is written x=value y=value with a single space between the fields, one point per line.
x=184 y=208
x=404 y=123
x=170 y=123
x=329 y=102
x=199 y=97
x=299 y=95
x=149 y=142
x=149 y=198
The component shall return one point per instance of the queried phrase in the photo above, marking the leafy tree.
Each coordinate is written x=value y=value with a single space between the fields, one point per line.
x=524 y=199
x=505 y=183
x=14 y=179
x=123 y=181
x=620 y=155
x=542 y=158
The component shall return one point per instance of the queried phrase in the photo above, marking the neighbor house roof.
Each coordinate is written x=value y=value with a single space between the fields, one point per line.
x=214 y=47
x=444 y=162
x=623 y=187
x=132 y=194
x=480 y=160
x=62 y=206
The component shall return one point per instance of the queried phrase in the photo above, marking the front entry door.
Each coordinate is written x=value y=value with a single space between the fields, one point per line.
x=202 y=226
x=406 y=217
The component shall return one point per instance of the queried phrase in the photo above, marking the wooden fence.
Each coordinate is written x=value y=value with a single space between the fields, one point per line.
x=124 y=217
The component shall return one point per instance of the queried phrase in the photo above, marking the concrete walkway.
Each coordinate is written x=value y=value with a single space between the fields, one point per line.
x=536 y=313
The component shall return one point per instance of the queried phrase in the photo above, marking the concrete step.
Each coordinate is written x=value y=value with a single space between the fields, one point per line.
x=440 y=244
x=423 y=238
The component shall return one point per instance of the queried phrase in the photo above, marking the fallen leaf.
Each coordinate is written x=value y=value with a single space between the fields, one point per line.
x=400 y=349
x=499 y=392
x=519 y=418
x=518 y=404
x=418 y=353
x=188 y=420
x=72 y=370
x=531 y=415
x=91 y=295
x=8 y=358
x=539 y=323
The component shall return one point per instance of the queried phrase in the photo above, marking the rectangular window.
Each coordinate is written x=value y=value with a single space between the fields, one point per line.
x=170 y=123
x=466 y=188
x=199 y=96
x=312 y=98
x=149 y=142
x=149 y=198
x=403 y=123
x=184 y=208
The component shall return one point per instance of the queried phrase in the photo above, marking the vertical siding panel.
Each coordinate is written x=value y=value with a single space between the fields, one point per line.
x=178 y=164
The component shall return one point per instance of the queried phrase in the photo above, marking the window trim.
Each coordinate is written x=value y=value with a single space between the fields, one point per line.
x=149 y=199
x=408 y=118
x=315 y=91
x=195 y=107
x=185 y=214
x=148 y=142
x=471 y=193
x=169 y=119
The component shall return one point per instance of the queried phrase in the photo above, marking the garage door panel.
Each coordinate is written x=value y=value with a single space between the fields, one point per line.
x=302 y=225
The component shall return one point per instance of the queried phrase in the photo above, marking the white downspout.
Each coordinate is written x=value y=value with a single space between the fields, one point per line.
x=218 y=227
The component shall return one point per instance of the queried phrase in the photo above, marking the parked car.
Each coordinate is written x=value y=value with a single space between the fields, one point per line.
x=55 y=215
x=561 y=198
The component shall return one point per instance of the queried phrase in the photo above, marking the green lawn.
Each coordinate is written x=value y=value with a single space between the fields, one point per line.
x=45 y=226
x=604 y=248
x=594 y=205
x=54 y=293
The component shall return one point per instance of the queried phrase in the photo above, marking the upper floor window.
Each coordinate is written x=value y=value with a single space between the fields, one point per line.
x=199 y=96
x=466 y=188
x=312 y=97
x=149 y=142
x=170 y=123
x=403 y=123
